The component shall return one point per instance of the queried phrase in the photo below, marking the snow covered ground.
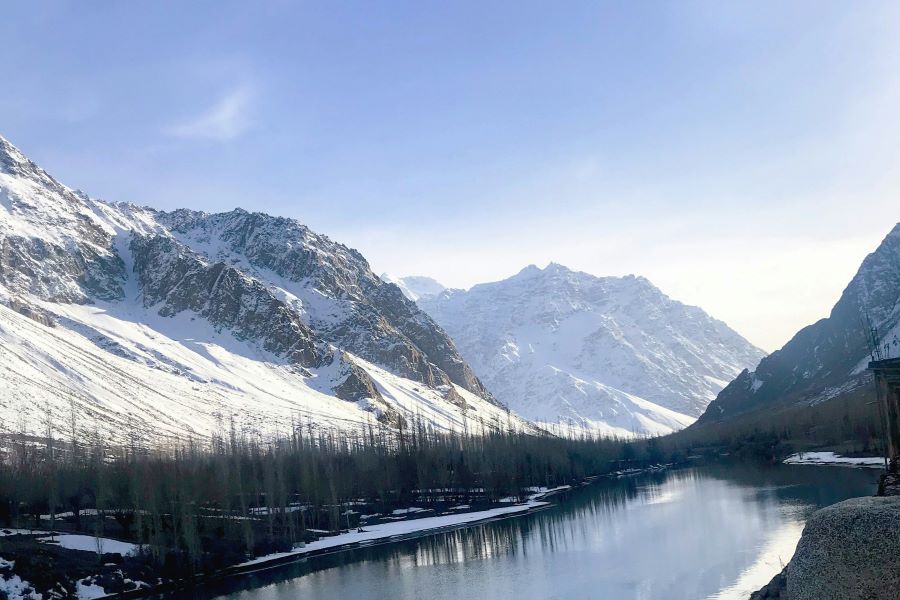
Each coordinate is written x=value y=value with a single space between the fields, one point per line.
x=89 y=543
x=14 y=587
x=385 y=531
x=125 y=367
x=5 y=532
x=830 y=458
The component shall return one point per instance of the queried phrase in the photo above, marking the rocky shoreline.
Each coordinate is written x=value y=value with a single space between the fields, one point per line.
x=848 y=550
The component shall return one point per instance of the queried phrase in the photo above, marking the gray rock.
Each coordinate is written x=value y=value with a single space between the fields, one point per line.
x=177 y=279
x=377 y=322
x=772 y=590
x=848 y=551
x=76 y=266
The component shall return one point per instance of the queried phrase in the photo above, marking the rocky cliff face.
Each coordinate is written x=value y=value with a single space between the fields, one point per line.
x=828 y=358
x=174 y=279
x=333 y=287
x=51 y=244
x=848 y=550
x=613 y=353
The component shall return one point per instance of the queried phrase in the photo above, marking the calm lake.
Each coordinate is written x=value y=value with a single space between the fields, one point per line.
x=717 y=531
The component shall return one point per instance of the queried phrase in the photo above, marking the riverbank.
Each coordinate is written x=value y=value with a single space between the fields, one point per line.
x=833 y=459
x=848 y=550
x=74 y=553
x=68 y=563
x=397 y=531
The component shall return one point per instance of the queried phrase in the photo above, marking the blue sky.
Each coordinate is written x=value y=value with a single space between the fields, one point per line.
x=740 y=155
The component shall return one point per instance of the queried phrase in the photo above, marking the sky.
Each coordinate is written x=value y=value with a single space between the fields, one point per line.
x=740 y=155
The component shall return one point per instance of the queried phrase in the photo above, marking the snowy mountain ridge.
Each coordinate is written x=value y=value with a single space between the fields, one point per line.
x=829 y=358
x=415 y=287
x=613 y=354
x=174 y=322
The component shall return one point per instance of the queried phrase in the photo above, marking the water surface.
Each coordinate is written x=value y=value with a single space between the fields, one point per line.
x=716 y=532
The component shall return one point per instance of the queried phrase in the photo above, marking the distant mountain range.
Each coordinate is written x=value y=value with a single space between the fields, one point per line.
x=827 y=359
x=415 y=287
x=612 y=354
x=137 y=322
x=127 y=319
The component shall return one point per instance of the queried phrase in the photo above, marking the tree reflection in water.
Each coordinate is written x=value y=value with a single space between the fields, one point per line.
x=692 y=533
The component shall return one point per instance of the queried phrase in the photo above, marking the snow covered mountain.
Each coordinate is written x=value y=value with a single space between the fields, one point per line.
x=827 y=359
x=124 y=318
x=415 y=287
x=613 y=354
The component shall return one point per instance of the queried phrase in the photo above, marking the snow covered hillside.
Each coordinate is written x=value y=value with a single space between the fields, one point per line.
x=612 y=354
x=415 y=287
x=144 y=323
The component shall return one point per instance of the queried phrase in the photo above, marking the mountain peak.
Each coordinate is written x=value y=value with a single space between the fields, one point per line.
x=555 y=344
x=555 y=267
x=12 y=160
x=254 y=310
x=415 y=287
x=552 y=268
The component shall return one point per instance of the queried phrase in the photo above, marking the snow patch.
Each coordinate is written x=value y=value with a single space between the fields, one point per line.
x=830 y=458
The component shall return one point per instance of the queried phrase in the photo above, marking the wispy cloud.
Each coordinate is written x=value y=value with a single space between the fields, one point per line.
x=227 y=119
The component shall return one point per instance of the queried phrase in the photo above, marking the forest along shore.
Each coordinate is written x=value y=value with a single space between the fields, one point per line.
x=120 y=558
x=202 y=510
x=239 y=502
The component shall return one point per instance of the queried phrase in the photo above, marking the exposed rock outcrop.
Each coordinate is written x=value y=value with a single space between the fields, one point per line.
x=848 y=551
x=170 y=321
x=342 y=299
x=177 y=279
x=51 y=244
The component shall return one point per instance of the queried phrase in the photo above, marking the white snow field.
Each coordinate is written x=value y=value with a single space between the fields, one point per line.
x=89 y=543
x=134 y=373
x=14 y=587
x=830 y=458
x=385 y=531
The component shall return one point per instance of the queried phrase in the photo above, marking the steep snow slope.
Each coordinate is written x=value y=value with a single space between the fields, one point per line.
x=828 y=358
x=130 y=372
x=612 y=354
x=415 y=287
x=141 y=321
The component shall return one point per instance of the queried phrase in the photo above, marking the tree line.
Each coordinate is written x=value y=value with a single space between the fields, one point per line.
x=205 y=504
x=201 y=505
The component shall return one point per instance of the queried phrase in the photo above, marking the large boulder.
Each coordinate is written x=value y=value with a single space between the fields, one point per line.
x=848 y=551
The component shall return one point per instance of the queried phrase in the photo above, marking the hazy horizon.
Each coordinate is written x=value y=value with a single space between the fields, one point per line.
x=740 y=156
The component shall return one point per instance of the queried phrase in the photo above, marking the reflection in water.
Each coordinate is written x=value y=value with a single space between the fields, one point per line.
x=773 y=556
x=711 y=532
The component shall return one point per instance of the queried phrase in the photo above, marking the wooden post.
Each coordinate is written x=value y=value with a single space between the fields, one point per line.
x=887 y=385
